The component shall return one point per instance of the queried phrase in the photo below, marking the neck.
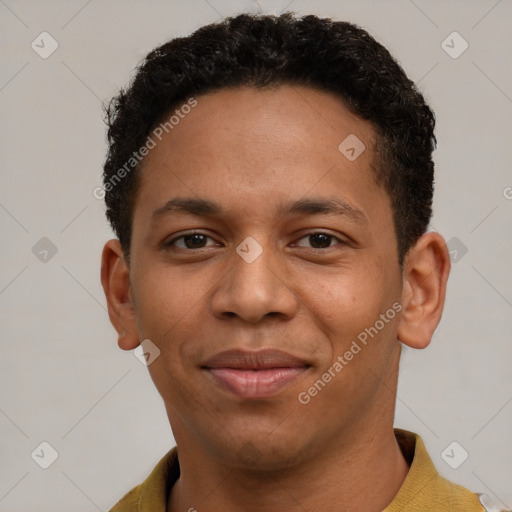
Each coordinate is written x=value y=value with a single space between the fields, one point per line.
x=364 y=474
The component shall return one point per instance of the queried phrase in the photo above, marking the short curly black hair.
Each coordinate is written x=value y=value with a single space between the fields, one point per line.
x=266 y=51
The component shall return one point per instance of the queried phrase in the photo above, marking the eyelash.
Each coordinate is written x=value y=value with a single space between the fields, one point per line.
x=172 y=242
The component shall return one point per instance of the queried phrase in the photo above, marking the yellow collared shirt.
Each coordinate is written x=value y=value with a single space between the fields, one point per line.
x=424 y=489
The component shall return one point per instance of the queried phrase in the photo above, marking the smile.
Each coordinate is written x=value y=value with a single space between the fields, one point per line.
x=255 y=374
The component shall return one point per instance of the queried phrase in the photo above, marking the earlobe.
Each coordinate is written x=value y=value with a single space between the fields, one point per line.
x=115 y=279
x=425 y=274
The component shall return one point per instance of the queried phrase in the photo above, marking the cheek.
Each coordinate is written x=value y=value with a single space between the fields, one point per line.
x=170 y=308
x=167 y=303
x=347 y=301
x=348 y=310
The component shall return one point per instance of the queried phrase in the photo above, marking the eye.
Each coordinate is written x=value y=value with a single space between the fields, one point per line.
x=319 y=240
x=190 y=241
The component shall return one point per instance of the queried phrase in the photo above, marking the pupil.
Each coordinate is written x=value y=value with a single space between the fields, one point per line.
x=321 y=240
x=195 y=240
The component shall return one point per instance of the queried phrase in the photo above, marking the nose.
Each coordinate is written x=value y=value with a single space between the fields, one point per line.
x=254 y=289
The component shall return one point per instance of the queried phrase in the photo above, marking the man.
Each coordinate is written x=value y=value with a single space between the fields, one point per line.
x=270 y=183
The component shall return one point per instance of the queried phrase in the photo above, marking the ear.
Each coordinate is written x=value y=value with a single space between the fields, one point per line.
x=115 y=279
x=425 y=273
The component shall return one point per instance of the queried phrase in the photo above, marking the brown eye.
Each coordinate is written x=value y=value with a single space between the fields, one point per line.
x=191 y=241
x=319 y=240
x=194 y=241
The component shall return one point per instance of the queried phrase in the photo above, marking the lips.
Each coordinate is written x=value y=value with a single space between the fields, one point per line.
x=255 y=375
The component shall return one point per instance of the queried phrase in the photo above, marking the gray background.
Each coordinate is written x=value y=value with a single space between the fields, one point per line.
x=62 y=378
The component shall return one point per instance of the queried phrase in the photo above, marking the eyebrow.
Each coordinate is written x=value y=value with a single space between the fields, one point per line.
x=315 y=206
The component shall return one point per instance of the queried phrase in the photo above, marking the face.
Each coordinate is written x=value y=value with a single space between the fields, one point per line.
x=253 y=232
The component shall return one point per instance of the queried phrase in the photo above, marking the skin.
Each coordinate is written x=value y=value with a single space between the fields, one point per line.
x=254 y=152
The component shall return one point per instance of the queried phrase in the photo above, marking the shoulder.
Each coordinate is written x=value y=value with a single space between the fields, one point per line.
x=424 y=488
x=129 y=503
x=152 y=494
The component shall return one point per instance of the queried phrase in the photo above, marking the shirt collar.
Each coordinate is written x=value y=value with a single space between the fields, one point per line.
x=422 y=481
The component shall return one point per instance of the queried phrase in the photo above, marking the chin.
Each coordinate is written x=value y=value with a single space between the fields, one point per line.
x=266 y=453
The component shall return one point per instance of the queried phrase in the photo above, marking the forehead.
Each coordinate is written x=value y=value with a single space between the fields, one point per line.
x=266 y=144
x=276 y=121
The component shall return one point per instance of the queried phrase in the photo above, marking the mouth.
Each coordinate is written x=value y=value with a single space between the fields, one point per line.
x=255 y=375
